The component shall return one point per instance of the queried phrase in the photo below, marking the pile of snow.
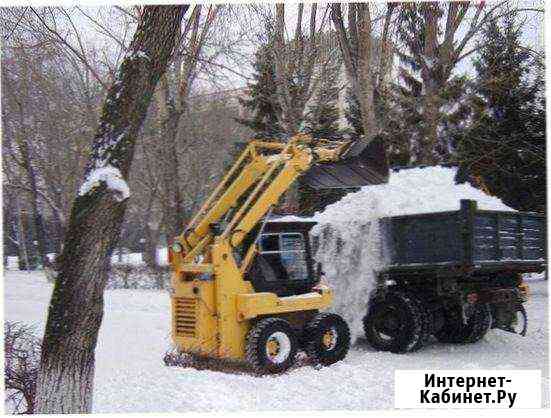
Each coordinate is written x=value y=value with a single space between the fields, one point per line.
x=409 y=191
x=347 y=241
x=349 y=254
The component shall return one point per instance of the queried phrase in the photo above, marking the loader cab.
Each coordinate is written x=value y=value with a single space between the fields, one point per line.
x=284 y=263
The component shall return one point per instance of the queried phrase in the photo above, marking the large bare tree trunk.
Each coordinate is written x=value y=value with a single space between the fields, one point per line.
x=366 y=72
x=65 y=381
x=431 y=114
x=295 y=59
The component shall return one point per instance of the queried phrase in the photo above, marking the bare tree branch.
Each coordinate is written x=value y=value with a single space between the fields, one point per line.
x=61 y=40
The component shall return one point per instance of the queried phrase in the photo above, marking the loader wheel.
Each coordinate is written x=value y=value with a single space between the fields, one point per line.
x=456 y=332
x=271 y=346
x=326 y=339
x=398 y=323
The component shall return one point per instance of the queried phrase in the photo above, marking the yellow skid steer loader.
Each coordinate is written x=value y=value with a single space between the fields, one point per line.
x=244 y=288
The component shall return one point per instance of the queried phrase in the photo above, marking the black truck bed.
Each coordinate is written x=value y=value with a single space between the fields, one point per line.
x=467 y=240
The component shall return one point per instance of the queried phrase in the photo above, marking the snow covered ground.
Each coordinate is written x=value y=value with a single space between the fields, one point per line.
x=131 y=376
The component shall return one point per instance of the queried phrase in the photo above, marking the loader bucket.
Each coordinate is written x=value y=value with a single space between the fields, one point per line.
x=361 y=165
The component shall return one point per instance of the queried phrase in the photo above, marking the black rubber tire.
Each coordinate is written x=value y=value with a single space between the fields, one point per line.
x=520 y=308
x=257 y=339
x=313 y=339
x=426 y=323
x=456 y=332
x=413 y=323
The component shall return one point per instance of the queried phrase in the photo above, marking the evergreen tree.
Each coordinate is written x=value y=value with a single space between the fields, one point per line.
x=430 y=100
x=410 y=123
x=322 y=122
x=353 y=114
x=322 y=117
x=262 y=103
x=505 y=145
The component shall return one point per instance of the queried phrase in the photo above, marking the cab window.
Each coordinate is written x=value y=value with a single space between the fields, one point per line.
x=287 y=251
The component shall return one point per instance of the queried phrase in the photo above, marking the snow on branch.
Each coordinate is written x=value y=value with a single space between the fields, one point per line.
x=111 y=176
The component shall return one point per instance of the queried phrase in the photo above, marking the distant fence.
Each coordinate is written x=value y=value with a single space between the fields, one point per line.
x=128 y=271
x=123 y=258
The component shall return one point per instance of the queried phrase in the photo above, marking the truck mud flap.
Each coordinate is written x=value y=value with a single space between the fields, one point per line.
x=518 y=323
x=362 y=165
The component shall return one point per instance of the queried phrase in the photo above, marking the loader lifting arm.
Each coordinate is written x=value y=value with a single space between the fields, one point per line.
x=254 y=184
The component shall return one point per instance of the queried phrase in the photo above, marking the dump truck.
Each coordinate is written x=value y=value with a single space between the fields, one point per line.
x=244 y=290
x=454 y=275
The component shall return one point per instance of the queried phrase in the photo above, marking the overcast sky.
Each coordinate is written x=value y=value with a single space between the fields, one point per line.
x=532 y=36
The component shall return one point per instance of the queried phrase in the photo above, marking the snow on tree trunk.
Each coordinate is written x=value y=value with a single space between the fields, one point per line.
x=65 y=381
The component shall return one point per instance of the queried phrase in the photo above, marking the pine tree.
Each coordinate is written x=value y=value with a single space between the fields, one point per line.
x=505 y=145
x=262 y=103
x=322 y=117
x=322 y=122
x=430 y=98
x=410 y=123
x=353 y=114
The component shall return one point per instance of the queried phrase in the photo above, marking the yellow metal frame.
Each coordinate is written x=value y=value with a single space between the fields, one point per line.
x=212 y=304
x=252 y=305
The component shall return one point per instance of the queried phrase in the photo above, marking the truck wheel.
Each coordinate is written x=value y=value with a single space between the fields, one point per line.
x=456 y=332
x=398 y=323
x=271 y=346
x=326 y=339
